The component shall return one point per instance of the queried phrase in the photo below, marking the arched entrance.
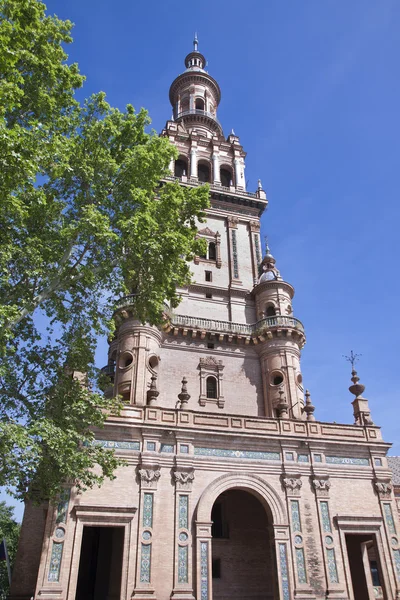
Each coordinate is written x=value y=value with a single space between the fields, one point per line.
x=241 y=527
x=243 y=554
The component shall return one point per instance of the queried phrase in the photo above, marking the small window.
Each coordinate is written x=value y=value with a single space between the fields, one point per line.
x=226 y=177
x=276 y=379
x=211 y=387
x=208 y=275
x=270 y=312
x=199 y=104
x=216 y=568
x=208 y=296
x=210 y=346
x=180 y=168
x=203 y=172
x=212 y=251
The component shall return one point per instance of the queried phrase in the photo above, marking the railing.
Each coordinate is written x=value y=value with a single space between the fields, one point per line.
x=213 y=186
x=236 y=328
x=227 y=327
x=197 y=111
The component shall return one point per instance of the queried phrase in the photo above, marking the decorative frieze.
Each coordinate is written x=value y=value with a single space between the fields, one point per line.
x=149 y=477
x=62 y=506
x=321 y=485
x=235 y=255
x=147 y=516
x=332 y=568
x=292 y=484
x=145 y=563
x=295 y=514
x=117 y=445
x=225 y=453
x=383 y=488
x=183 y=479
x=325 y=518
x=343 y=460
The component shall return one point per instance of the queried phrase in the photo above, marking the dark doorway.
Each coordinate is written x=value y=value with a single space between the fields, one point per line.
x=243 y=555
x=100 y=565
x=365 y=568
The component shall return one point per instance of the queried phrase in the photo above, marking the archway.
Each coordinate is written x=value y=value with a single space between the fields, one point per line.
x=243 y=550
x=249 y=514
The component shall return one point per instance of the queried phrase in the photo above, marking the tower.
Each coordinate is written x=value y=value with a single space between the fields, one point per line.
x=231 y=488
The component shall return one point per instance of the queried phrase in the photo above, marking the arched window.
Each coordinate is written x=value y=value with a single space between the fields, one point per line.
x=226 y=177
x=212 y=251
x=199 y=104
x=211 y=385
x=184 y=104
x=270 y=312
x=180 y=167
x=203 y=172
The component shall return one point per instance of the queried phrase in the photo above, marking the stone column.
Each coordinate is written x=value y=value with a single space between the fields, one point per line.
x=148 y=475
x=183 y=477
x=193 y=162
x=216 y=173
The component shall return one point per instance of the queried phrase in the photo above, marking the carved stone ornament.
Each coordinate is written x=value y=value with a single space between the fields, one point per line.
x=254 y=226
x=149 y=477
x=183 y=479
x=321 y=486
x=292 y=485
x=210 y=361
x=232 y=221
x=384 y=488
x=206 y=231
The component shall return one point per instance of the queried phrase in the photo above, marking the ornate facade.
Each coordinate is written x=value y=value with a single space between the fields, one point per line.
x=232 y=487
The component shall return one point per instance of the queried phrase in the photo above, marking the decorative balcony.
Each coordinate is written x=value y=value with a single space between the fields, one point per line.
x=219 y=188
x=253 y=332
x=201 y=116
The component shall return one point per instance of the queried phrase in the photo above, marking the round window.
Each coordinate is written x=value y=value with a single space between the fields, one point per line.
x=276 y=378
x=125 y=360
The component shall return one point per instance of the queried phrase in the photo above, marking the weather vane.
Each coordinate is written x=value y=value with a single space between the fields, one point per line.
x=352 y=359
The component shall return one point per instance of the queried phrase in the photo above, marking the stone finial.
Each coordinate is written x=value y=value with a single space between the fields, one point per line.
x=152 y=393
x=362 y=413
x=259 y=187
x=282 y=406
x=184 y=396
x=309 y=408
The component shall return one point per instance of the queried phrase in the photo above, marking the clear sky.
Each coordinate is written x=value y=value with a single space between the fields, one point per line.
x=313 y=90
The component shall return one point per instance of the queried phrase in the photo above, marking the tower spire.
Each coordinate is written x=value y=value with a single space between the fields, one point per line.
x=195 y=43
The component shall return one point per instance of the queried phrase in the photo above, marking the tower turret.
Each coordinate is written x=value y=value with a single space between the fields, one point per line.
x=281 y=337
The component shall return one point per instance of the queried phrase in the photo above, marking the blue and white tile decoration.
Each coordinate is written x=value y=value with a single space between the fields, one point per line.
x=145 y=563
x=147 y=510
x=151 y=446
x=167 y=448
x=396 y=554
x=332 y=570
x=182 y=564
x=117 y=445
x=62 y=506
x=341 y=460
x=183 y=512
x=222 y=453
x=389 y=518
x=326 y=521
x=301 y=565
x=55 y=561
x=284 y=571
x=184 y=449
x=302 y=458
x=204 y=570
x=317 y=458
x=295 y=510
x=289 y=456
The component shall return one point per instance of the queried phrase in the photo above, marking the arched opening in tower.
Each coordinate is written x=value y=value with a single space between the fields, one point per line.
x=226 y=177
x=211 y=385
x=270 y=311
x=199 y=104
x=243 y=550
x=181 y=167
x=203 y=172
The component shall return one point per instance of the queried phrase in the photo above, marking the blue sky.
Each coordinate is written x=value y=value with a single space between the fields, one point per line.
x=313 y=91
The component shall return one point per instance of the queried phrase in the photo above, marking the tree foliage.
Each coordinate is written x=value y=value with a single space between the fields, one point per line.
x=84 y=219
x=9 y=530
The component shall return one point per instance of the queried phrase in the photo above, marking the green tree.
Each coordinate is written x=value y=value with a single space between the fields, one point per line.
x=9 y=530
x=84 y=219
